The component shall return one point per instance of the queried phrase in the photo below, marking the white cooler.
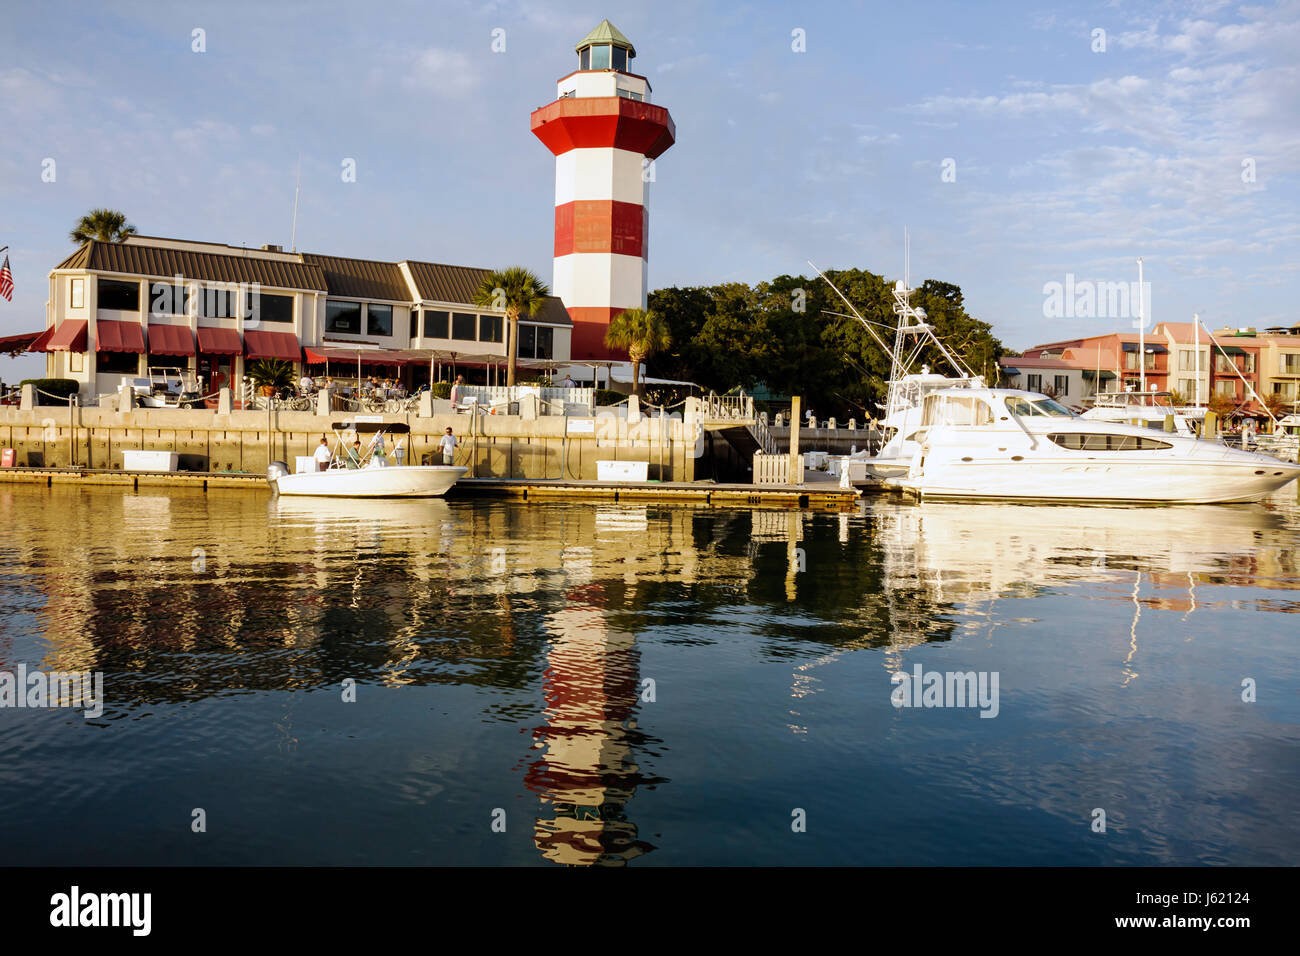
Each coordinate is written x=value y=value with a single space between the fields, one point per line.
x=303 y=463
x=149 y=460
x=622 y=470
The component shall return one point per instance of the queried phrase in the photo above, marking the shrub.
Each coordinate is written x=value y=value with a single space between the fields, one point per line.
x=63 y=387
x=608 y=396
x=441 y=390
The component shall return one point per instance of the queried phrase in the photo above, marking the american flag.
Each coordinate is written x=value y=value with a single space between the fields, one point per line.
x=6 y=282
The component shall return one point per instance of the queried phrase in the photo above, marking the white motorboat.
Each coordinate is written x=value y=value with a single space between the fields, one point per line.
x=1148 y=409
x=357 y=471
x=1010 y=444
x=1284 y=441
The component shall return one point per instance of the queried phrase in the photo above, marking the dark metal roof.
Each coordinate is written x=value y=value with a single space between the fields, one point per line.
x=442 y=283
x=362 y=278
x=142 y=260
x=552 y=312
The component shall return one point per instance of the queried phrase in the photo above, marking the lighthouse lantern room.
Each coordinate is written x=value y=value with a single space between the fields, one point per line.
x=605 y=135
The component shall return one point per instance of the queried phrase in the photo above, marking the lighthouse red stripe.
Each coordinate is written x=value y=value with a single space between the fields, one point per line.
x=604 y=121
x=600 y=225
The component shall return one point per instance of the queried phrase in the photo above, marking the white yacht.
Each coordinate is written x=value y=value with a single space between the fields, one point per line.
x=364 y=470
x=1284 y=441
x=1010 y=444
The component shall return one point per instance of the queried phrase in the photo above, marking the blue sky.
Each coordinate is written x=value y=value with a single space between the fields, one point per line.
x=1067 y=160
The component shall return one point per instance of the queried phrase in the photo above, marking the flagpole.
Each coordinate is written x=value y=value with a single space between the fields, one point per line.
x=1142 y=336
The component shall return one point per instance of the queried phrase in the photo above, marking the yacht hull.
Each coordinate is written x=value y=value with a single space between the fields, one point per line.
x=395 y=481
x=1182 y=482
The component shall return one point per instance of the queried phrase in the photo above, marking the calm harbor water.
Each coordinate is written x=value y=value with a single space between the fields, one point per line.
x=647 y=685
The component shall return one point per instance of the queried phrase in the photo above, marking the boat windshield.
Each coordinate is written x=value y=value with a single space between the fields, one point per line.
x=1027 y=407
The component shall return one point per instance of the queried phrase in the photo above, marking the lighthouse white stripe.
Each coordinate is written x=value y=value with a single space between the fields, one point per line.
x=600 y=174
x=600 y=279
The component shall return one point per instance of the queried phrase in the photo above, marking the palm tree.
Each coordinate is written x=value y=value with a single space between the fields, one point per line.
x=642 y=333
x=514 y=291
x=105 y=225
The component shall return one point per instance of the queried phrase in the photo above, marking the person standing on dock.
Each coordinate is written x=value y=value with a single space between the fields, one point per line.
x=323 y=455
x=448 y=446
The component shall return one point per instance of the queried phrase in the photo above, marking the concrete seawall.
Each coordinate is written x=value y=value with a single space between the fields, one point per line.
x=491 y=446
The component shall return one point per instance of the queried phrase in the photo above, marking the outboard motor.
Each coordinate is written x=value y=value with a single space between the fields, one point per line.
x=275 y=471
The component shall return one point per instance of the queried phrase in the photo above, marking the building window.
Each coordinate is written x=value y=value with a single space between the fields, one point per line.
x=1250 y=363
x=1285 y=391
x=1226 y=387
x=343 y=317
x=265 y=307
x=1188 y=387
x=600 y=57
x=1061 y=385
x=536 y=341
x=78 y=297
x=464 y=326
x=1223 y=363
x=437 y=325
x=121 y=363
x=123 y=296
x=1034 y=383
x=630 y=94
x=217 y=303
x=620 y=59
x=166 y=298
x=584 y=59
x=489 y=328
x=1130 y=360
x=415 y=323
x=1187 y=360
x=379 y=319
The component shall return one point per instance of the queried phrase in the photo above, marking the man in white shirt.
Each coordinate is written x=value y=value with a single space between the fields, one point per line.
x=305 y=383
x=448 y=446
x=323 y=455
x=568 y=382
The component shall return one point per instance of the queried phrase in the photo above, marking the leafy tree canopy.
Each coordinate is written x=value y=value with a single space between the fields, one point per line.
x=786 y=334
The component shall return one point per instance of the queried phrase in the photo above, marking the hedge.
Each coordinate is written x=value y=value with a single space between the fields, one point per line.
x=62 y=387
x=608 y=396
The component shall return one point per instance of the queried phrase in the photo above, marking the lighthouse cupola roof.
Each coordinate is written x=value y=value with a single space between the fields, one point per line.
x=604 y=48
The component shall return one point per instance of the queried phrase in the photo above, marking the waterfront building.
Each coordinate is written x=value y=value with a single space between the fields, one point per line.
x=605 y=135
x=1075 y=370
x=117 y=309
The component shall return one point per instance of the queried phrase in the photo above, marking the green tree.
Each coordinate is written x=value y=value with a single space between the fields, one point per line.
x=514 y=291
x=642 y=333
x=104 y=225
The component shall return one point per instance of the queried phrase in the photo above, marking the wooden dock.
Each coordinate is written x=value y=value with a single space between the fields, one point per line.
x=817 y=495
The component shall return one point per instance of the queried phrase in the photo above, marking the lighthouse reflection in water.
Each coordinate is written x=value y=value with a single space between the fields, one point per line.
x=637 y=685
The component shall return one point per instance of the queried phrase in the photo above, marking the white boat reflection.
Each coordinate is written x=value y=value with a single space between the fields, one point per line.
x=962 y=552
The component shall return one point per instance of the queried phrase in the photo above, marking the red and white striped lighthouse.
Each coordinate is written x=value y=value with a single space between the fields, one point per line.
x=605 y=135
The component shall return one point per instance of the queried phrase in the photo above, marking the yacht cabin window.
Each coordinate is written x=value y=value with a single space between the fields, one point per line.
x=1025 y=407
x=956 y=410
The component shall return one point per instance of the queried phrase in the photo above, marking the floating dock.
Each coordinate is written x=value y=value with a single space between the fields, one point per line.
x=817 y=495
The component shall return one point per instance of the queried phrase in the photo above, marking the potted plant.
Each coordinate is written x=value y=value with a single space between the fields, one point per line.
x=270 y=375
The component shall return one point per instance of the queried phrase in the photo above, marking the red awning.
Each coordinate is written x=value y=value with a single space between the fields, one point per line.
x=117 y=337
x=272 y=345
x=13 y=344
x=68 y=337
x=42 y=341
x=170 y=340
x=318 y=354
x=220 y=342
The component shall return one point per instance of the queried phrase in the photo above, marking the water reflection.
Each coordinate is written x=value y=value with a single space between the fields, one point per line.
x=544 y=612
